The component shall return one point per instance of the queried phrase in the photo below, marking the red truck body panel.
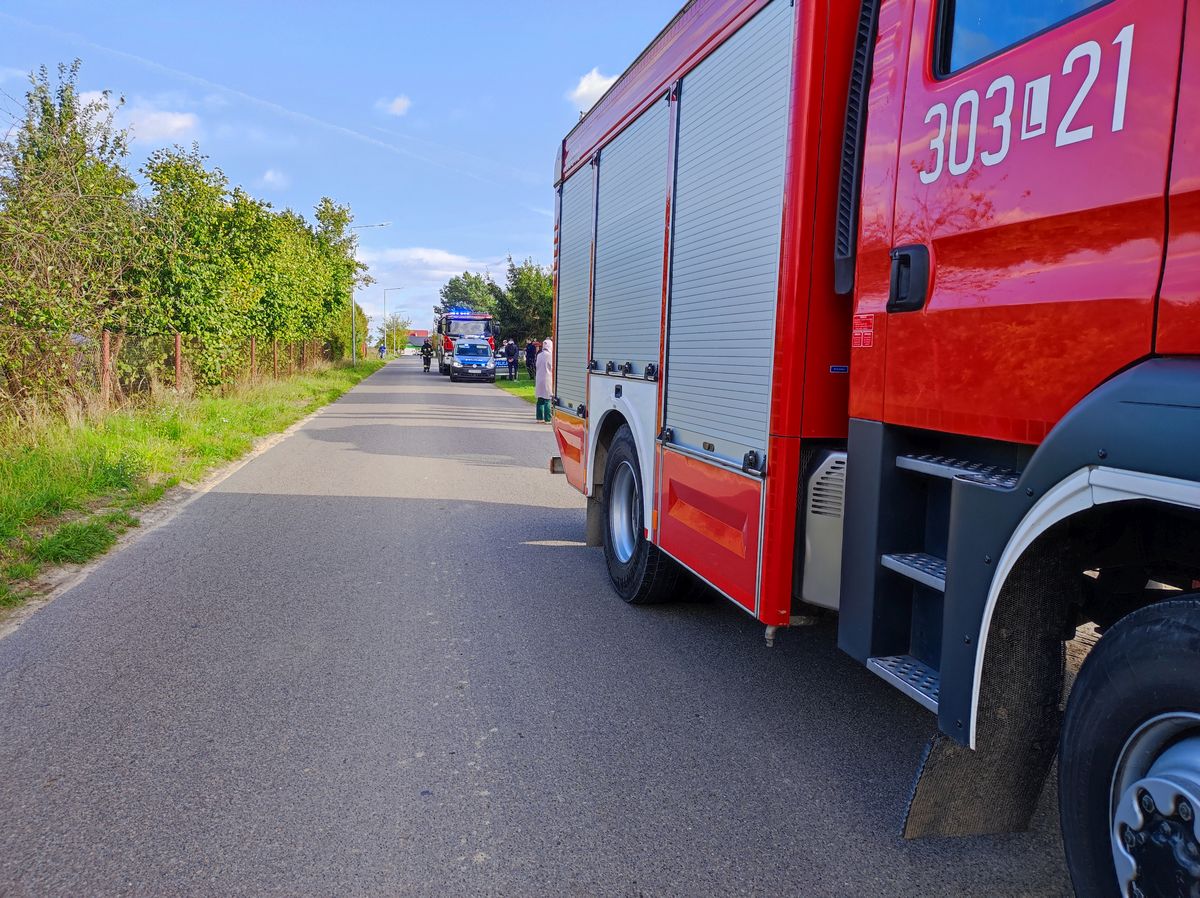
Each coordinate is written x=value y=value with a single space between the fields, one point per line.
x=1179 y=302
x=877 y=203
x=709 y=518
x=1045 y=263
x=571 y=437
x=812 y=322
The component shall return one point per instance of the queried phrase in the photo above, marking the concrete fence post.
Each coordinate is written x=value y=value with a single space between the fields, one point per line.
x=275 y=359
x=178 y=361
x=253 y=364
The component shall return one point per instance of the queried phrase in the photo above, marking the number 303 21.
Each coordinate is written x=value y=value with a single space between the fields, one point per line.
x=958 y=154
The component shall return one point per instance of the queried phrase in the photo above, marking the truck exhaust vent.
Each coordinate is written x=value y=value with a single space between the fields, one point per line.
x=846 y=228
x=829 y=490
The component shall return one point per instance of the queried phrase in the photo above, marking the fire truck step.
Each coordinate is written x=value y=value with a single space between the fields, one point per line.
x=928 y=570
x=945 y=466
x=914 y=678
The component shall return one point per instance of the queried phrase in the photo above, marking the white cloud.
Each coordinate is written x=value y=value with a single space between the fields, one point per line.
x=11 y=74
x=398 y=105
x=421 y=271
x=591 y=87
x=424 y=264
x=274 y=179
x=145 y=120
x=146 y=123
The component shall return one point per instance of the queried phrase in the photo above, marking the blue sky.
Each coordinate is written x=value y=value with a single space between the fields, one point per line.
x=441 y=118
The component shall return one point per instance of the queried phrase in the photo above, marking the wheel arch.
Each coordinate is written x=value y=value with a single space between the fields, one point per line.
x=1086 y=517
x=606 y=431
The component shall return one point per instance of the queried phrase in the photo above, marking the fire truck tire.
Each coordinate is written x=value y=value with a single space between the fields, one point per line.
x=1129 y=758
x=640 y=572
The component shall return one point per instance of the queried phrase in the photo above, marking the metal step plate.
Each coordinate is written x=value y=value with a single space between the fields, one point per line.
x=945 y=466
x=928 y=570
x=916 y=680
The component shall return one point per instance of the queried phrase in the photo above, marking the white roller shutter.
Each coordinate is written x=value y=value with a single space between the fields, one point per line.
x=574 y=276
x=630 y=221
x=728 y=203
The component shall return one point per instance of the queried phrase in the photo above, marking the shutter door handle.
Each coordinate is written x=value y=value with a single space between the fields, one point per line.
x=910 y=278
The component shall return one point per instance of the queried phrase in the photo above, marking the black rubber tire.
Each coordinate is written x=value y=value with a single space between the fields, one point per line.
x=650 y=576
x=453 y=379
x=1145 y=665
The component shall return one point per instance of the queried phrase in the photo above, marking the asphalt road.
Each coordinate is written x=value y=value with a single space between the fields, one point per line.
x=377 y=660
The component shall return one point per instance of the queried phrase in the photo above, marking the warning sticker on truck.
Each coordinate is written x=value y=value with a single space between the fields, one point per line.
x=862 y=334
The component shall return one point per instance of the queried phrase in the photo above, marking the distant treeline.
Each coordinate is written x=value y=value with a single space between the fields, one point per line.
x=86 y=247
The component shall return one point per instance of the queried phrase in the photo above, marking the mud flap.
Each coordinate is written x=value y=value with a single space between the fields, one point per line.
x=995 y=788
x=594 y=527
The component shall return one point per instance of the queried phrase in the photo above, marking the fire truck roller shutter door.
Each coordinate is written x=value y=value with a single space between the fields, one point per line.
x=732 y=150
x=574 y=275
x=630 y=215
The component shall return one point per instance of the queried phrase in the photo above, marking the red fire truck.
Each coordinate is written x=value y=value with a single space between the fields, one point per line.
x=893 y=309
x=455 y=323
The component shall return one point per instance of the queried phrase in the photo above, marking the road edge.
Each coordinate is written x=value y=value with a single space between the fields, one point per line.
x=57 y=581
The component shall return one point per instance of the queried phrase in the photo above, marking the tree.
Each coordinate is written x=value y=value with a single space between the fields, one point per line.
x=393 y=331
x=342 y=273
x=82 y=252
x=70 y=233
x=469 y=290
x=525 y=311
x=208 y=259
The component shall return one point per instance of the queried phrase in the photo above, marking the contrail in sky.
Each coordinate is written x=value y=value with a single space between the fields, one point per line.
x=270 y=105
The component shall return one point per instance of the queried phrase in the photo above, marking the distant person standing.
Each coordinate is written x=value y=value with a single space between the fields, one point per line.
x=531 y=352
x=510 y=355
x=543 y=387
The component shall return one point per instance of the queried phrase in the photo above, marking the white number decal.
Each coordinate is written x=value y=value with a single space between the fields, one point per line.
x=938 y=143
x=1033 y=114
x=1066 y=135
x=1125 y=39
x=956 y=167
x=1003 y=121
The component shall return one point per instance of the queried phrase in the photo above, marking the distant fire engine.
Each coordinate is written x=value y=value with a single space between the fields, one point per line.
x=455 y=323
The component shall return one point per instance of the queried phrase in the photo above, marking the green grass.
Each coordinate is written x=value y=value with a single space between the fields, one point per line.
x=67 y=490
x=521 y=387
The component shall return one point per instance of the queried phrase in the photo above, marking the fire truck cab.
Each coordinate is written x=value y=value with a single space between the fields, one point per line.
x=455 y=324
x=893 y=309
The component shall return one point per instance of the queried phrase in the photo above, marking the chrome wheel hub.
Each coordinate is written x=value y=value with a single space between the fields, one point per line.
x=1155 y=803
x=624 y=512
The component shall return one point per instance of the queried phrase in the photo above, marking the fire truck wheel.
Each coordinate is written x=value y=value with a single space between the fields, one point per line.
x=640 y=572
x=1129 y=758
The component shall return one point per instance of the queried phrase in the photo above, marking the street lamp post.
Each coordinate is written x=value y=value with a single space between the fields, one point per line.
x=386 y=291
x=353 y=317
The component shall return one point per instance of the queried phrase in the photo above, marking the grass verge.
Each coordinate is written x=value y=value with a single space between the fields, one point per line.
x=67 y=491
x=522 y=387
